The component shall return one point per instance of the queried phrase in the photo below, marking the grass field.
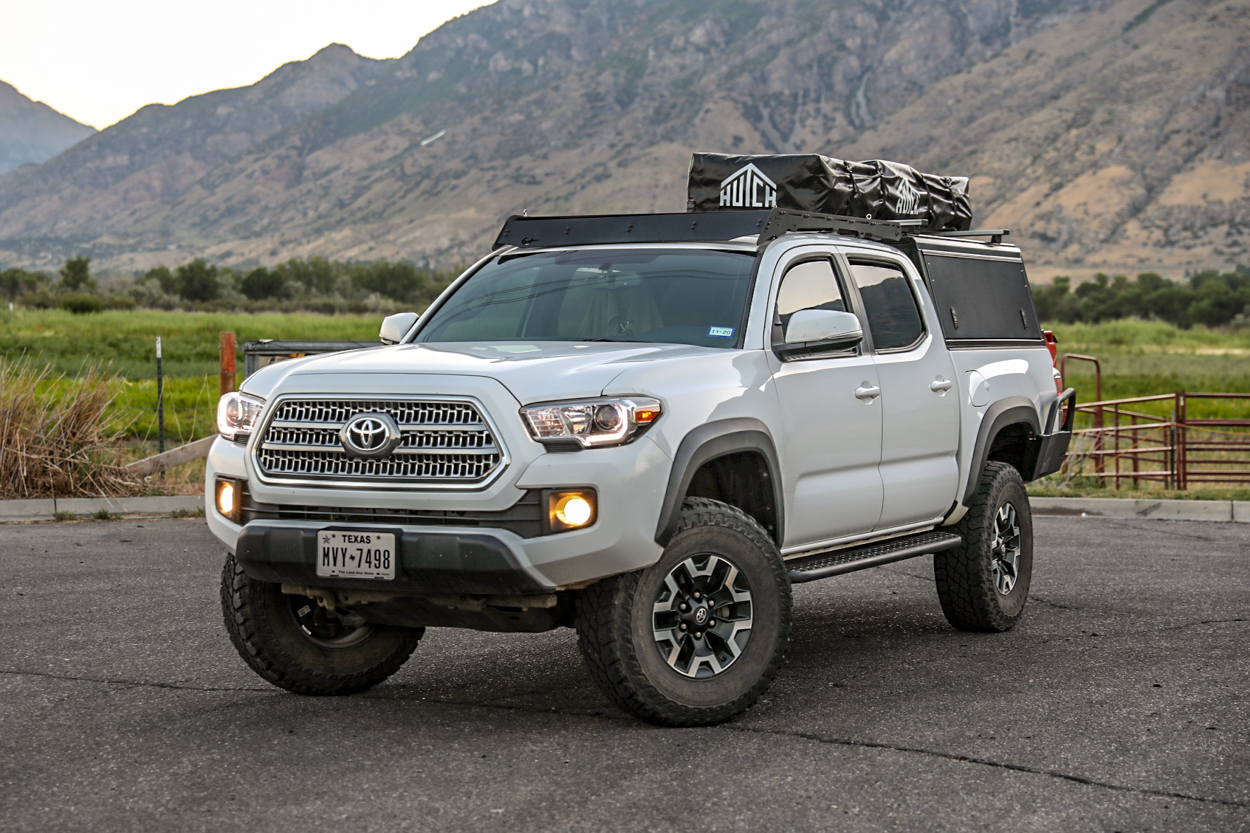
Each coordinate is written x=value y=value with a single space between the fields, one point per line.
x=1138 y=359
x=1141 y=358
x=126 y=339
x=124 y=343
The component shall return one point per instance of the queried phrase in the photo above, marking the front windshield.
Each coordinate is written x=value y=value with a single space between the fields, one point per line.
x=672 y=296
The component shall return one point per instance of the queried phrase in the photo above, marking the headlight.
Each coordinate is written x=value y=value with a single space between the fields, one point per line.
x=588 y=424
x=237 y=414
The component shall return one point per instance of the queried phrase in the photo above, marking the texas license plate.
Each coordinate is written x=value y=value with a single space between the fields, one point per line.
x=342 y=554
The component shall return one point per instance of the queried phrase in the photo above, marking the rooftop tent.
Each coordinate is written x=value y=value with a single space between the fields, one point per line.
x=876 y=189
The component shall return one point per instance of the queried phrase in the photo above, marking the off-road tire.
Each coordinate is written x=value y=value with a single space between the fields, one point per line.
x=614 y=624
x=267 y=635
x=965 y=575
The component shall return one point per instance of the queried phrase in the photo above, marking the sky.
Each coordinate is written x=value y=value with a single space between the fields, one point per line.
x=98 y=61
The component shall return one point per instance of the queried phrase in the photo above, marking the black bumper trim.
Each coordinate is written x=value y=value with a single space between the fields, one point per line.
x=430 y=561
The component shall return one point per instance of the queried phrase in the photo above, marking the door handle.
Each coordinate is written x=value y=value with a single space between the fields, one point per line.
x=867 y=392
x=939 y=385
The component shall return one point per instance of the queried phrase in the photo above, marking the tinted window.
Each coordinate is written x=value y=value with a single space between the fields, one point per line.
x=893 y=317
x=668 y=296
x=809 y=285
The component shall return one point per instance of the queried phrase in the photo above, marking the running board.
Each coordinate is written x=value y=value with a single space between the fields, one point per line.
x=826 y=564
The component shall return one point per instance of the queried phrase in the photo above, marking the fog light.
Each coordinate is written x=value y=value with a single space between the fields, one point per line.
x=228 y=499
x=570 y=510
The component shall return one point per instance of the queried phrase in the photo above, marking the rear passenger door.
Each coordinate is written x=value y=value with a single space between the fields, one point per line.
x=919 y=394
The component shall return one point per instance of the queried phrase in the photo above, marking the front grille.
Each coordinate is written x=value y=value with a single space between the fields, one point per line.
x=442 y=443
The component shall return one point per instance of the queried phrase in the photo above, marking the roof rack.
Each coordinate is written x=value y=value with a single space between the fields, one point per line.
x=702 y=227
x=705 y=227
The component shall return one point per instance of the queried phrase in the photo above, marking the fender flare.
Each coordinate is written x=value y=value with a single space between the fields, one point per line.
x=1012 y=410
x=708 y=442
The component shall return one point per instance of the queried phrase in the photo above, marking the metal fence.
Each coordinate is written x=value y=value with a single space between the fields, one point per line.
x=1124 y=442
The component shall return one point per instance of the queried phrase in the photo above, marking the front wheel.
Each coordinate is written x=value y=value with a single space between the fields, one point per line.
x=984 y=583
x=295 y=644
x=697 y=637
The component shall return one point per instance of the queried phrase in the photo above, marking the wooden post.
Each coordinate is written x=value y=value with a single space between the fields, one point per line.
x=227 y=363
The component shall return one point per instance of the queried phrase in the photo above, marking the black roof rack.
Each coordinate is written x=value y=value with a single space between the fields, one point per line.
x=701 y=227
x=706 y=226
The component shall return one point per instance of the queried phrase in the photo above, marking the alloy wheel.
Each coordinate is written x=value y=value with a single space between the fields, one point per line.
x=702 y=615
x=1005 y=549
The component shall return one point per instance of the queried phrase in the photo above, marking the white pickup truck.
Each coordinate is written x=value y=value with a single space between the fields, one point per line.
x=645 y=427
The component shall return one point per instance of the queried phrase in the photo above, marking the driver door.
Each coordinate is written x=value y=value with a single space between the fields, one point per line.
x=830 y=444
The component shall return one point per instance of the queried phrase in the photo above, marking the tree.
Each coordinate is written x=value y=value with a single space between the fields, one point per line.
x=76 y=275
x=260 y=284
x=397 y=281
x=197 y=281
x=162 y=277
x=14 y=282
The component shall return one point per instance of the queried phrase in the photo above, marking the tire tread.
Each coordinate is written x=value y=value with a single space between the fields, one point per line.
x=609 y=653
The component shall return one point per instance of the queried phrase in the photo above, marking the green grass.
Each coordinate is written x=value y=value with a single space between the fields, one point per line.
x=126 y=340
x=1144 y=358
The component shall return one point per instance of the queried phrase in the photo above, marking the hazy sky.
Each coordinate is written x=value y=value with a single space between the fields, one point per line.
x=100 y=60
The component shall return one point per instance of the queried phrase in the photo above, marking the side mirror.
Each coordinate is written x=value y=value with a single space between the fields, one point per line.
x=394 y=327
x=823 y=329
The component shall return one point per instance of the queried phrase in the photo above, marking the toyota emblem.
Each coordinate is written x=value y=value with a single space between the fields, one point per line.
x=370 y=435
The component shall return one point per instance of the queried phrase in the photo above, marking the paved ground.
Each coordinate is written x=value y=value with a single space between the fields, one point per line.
x=1119 y=704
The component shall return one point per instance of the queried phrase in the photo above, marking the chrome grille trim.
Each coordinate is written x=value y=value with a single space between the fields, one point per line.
x=447 y=443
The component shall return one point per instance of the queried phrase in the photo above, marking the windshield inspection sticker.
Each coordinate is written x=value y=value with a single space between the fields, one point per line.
x=721 y=332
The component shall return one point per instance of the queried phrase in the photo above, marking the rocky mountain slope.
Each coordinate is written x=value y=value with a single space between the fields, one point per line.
x=1118 y=140
x=1086 y=124
x=32 y=132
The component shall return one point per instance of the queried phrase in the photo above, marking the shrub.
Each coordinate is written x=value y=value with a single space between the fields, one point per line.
x=82 y=303
x=57 y=442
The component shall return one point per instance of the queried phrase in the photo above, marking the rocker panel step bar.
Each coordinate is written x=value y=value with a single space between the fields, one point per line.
x=835 y=563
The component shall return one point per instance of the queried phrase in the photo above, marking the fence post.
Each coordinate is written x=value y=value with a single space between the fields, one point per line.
x=1182 y=456
x=227 y=363
x=160 y=398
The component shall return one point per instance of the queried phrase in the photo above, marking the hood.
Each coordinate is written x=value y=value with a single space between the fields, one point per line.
x=533 y=372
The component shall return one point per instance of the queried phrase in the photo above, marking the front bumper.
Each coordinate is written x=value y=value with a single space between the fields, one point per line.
x=473 y=562
x=629 y=480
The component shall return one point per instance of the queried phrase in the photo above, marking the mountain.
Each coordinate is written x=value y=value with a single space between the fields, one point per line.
x=31 y=131
x=1117 y=140
x=145 y=163
x=1107 y=133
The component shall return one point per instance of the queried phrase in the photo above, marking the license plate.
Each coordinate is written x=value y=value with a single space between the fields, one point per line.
x=342 y=554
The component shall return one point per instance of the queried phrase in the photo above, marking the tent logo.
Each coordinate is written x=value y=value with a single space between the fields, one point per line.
x=748 y=188
x=908 y=199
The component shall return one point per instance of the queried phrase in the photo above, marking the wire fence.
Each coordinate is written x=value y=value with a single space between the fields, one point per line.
x=178 y=409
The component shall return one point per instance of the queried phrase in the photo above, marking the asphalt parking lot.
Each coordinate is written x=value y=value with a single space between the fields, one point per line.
x=1120 y=703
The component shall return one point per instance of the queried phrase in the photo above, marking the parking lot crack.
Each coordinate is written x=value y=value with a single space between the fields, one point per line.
x=1051 y=773
x=131 y=683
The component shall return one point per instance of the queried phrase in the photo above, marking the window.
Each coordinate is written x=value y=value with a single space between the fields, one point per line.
x=809 y=285
x=893 y=317
x=672 y=296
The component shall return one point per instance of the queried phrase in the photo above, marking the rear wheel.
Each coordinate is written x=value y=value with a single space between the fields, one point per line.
x=983 y=584
x=296 y=644
x=696 y=638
